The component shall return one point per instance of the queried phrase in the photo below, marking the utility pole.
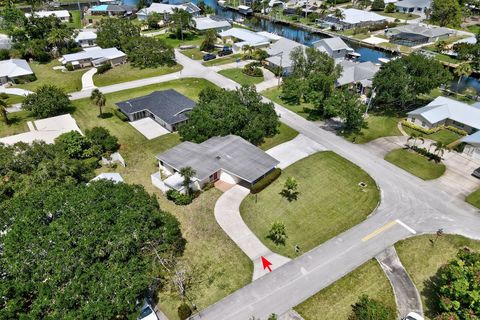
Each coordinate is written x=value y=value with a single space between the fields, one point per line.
x=370 y=101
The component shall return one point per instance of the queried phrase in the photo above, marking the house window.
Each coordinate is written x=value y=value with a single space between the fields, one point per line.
x=424 y=123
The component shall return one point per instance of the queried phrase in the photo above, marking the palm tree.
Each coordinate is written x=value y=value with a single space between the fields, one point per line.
x=415 y=137
x=463 y=70
x=441 y=46
x=4 y=112
x=339 y=14
x=440 y=148
x=187 y=173
x=181 y=19
x=57 y=37
x=248 y=51
x=98 y=99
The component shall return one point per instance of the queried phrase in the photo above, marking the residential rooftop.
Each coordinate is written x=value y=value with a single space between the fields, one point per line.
x=245 y=35
x=355 y=16
x=210 y=22
x=426 y=31
x=14 y=68
x=334 y=44
x=56 y=13
x=353 y=72
x=411 y=4
x=285 y=47
x=93 y=53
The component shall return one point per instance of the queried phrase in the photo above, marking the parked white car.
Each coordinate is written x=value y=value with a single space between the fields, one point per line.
x=413 y=316
x=147 y=313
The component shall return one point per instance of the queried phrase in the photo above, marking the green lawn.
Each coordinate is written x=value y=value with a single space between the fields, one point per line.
x=224 y=267
x=126 y=72
x=285 y=134
x=416 y=164
x=474 y=198
x=223 y=60
x=445 y=136
x=76 y=19
x=474 y=28
x=400 y=15
x=188 y=39
x=378 y=126
x=194 y=53
x=422 y=261
x=18 y=123
x=274 y=95
x=70 y=81
x=334 y=302
x=237 y=75
x=330 y=202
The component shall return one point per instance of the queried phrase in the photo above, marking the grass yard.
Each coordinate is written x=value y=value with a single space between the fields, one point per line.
x=237 y=75
x=223 y=60
x=330 y=202
x=416 y=164
x=13 y=98
x=422 y=261
x=188 y=39
x=18 y=123
x=70 y=81
x=445 y=136
x=194 y=53
x=285 y=134
x=224 y=267
x=76 y=19
x=126 y=72
x=400 y=15
x=334 y=302
x=378 y=126
x=474 y=198
x=274 y=94
x=474 y=28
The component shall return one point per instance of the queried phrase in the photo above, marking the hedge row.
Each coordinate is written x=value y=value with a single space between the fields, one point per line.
x=456 y=130
x=408 y=124
x=424 y=152
x=178 y=198
x=120 y=115
x=266 y=181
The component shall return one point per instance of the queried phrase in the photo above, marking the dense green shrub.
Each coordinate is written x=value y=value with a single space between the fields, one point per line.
x=179 y=198
x=184 y=311
x=424 y=152
x=69 y=66
x=456 y=130
x=266 y=181
x=25 y=79
x=47 y=101
x=4 y=54
x=3 y=95
x=418 y=128
x=120 y=115
x=104 y=68
x=252 y=70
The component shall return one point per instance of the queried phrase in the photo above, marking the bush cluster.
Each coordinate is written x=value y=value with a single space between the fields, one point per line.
x=266 y=181
x=120 y=115
x=179 y=198
x=69 y=66
x=252 y=70
x=184 y=311
x=375 y=27
x=456 y=130
x=418 y=128
x=104 y=68
x=424 y=152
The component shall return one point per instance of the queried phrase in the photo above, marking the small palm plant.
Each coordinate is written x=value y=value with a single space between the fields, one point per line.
x=415 y=137
x=187 y=173
x=99 y=100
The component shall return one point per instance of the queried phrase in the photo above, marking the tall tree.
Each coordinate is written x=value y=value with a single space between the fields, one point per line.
x=378 y=5
x=99 y=99
x=187 y=173
x=113 y=32
x=181 y=19
x=149 y=52
x=463 y=70
x=3 y=111
x=446 y=13
x=208 y=43
x=47 y=101
x=346 y=105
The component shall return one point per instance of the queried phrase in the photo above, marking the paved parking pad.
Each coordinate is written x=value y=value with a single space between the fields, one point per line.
x=296 y=149
x=149 y=128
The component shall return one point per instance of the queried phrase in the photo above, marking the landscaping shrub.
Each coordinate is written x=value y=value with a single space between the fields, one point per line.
x=104 y=68
x=266 y=181
x=120 y=115
x=418 y=128
x=456 y=130
x=208 y=186
x=3 y=95
x=179 y=198
x=184 y=311
x=25 y=79
x=4 y=54
x=252 y=70
x=69 y=66
x=424 y=152
x=460 y=147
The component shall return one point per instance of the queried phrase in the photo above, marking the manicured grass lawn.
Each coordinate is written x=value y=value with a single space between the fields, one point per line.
x=224 y=267
x=330 y=202
x=223 y=60
x=18 y=123
x=274 y=95
x=474 y=198
x=378 y=126
x=416 y=164
x=70 y=81
x=188 y=39
x=445 y=136
x=238 y=76
x=422 y=261
x=285 y=134
x=76 y=23
x=400 y=15
x=126 y=72
x=334 y=302
x=446 y=58
x=194 y=53
x=474 y=28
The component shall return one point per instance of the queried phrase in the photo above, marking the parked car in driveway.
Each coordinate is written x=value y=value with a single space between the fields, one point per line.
x=225 y=51
x=209 y=56
x=147 y=312
x=476 y=173
x=413 y=316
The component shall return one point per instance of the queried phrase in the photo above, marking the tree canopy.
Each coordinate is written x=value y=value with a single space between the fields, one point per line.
x=117 y=33
x=149 y=52
x=400 y=81
x=220 y=112
x=81 y=251
x=446 y=13
x=369 y=309
x=47 y=101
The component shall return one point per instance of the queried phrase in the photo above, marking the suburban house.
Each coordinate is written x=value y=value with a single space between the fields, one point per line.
x=13 y=69
x=413 y=6
x=279 y=52
x=95 y=56
x=5 y=42
x=109 y=176
x=63 y=15
x=86 y=38
x=352 y=18
x=168 y=107
x=211 y=22
x=358 y=74
x=167 y=9
x=415 y=34
x=246 y=10
x=230 y=159
x=335 y=47
x=112 y=10
x=240 y=37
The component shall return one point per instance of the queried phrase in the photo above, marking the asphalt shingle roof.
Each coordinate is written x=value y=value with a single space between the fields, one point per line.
x=168 y=105
x=356 y=72
x=230 y=153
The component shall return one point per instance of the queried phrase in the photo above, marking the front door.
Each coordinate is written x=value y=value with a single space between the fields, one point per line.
x=214 y=177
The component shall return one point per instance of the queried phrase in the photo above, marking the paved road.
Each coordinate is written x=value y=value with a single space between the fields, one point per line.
x=406 y=294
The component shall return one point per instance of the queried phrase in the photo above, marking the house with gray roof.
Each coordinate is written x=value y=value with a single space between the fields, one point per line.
x=279 y=53
x=416 y=34
x=413 y=6
x=168 y=107
x=211 y=22
x=240 y=38
x=13 y=69
x=335 y=47
x=95 y=56
x=230 y=159
x=351 y=18
x=359 y=74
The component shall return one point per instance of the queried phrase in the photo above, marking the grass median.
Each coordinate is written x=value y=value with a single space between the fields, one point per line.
x=416 y=164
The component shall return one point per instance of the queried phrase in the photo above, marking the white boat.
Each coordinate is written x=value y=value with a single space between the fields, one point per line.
x=384 y=60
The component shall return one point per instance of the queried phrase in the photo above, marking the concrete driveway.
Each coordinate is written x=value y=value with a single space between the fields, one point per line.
x=296 y=149
x=149 y=128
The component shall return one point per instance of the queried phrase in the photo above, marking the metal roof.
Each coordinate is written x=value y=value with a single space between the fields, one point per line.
x=56 y=13
x=334 y=44
x=211 y=22
x=112 y=176
x=244 y=35
x=353 y=72
x=414 y=3
x=86 y=35
x=230 y=153
x=164 y=8
x=425 y=31
x=14 y=68
x=443 y=108
x=354 y=16
x=284 y=46
x=168 y=105
x=93 y=53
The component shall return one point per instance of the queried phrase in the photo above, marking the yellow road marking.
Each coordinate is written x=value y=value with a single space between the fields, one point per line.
x=379 y=230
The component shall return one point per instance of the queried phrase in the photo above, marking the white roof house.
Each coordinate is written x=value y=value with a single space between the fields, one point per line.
x=211 y=22
x=246 y=37
x=110 y=176
x=167 y=9
x=335 y=47
x=85 y=36
x=14 y=68
x=355 y=16
x=93 y=53
x=63 y=15
x=423 y=30
x=412 y=5
x=357 y=72
x=5 y=41
x=280 y=53
x=443 y=108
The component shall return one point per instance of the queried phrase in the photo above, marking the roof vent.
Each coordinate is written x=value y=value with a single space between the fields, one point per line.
x=218 y=157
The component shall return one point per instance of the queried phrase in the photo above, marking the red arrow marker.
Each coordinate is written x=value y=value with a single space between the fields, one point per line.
x=266 y=264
